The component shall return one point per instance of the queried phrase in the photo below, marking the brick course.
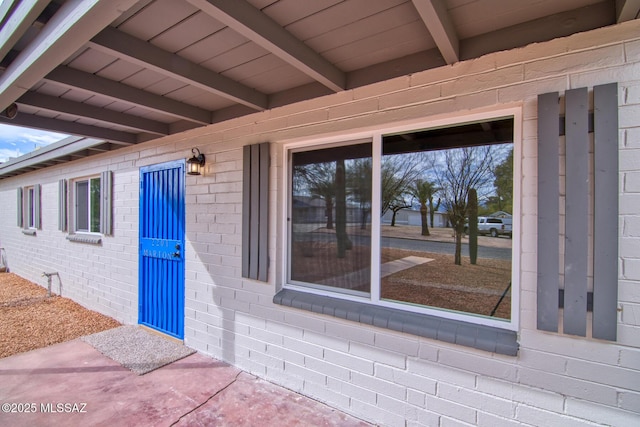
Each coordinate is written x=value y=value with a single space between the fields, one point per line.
x=377 y=374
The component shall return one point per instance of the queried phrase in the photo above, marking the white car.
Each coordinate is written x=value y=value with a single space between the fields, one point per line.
x=493 y=226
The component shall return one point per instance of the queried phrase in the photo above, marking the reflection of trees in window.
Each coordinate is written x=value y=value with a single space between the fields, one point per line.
x=423 y=191
x=330 y=218
x=331 y=208
x=457 y=171
x=503 y=183
x=95 y=205
x=359 y=183
x=321 y=182
x=398 y=173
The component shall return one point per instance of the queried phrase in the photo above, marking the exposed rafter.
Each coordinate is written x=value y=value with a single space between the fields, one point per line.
x=65 y=106
x=626 y=10
x=118 y=91
x=64 y=34
x=245 y=19
x=542 y=29
x=70 y=128
x=124 y=46
x=436 y=19
x=18 y=23
x=4 y=9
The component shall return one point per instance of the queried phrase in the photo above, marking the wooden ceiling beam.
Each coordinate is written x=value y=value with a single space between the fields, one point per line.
x=250 y=22
x=121 y=92
x=539 y=30
x=67 y=31
x=70 y=128
x=436 y=18
x=18 y=22
x=626 y=10
x=103 y=115
x=140 y=52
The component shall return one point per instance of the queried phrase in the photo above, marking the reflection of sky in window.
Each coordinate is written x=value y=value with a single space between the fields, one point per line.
x=16 y=141
x=431 y=163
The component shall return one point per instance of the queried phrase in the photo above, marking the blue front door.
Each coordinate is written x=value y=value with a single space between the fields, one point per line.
x=162 y=217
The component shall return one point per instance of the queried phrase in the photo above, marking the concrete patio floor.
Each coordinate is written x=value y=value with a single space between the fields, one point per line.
x=72 y=384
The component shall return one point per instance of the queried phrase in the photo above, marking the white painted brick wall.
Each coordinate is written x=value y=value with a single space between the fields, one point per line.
x=386 y=377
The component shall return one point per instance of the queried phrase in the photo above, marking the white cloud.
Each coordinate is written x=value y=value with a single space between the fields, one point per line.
x=16 y=141
x=6 y=154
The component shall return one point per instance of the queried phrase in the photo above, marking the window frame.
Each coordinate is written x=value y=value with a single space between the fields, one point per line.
x=73 y=224
x=375 y=135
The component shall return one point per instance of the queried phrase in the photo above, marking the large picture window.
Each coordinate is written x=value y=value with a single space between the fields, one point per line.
x=87 y=205
x=420 y=220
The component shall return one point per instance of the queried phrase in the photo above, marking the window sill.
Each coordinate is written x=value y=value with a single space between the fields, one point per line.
x=85 y=238
x=29 y=232
x=469 y=334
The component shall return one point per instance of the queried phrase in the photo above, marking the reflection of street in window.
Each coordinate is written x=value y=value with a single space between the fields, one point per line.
x=426 y=177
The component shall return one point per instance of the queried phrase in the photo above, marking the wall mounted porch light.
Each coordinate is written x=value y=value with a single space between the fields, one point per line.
x=196 y=163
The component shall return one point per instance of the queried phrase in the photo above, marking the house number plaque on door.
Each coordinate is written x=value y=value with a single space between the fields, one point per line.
x=161 y=248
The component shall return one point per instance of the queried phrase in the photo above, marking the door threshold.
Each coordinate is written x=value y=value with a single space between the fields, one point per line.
x=161 y=334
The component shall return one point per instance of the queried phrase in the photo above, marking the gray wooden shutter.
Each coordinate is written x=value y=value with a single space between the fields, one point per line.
x=605 y=233
x=62 y=205
x=106 y=203
x=255 y=210
x=574 y=298
x=37 y=215
x=20 y=206
x=548 y=211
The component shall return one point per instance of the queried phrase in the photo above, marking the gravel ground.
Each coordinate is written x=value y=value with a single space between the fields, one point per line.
x=30 y=320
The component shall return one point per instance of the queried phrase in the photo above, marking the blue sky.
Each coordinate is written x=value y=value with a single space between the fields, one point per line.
x=16 y=141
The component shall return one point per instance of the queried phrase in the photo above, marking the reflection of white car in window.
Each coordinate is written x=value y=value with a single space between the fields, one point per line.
x=493 y=226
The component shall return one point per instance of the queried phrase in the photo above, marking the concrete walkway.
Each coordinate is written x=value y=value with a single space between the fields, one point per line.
x=72 y=384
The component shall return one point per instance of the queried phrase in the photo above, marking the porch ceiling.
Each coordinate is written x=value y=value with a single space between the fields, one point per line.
x=120 y=72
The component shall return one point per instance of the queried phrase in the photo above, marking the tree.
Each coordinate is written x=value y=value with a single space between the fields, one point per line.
x=457 y=171
x=396 y=206
x=359 y=185
x=423 y=191
x=397 y=174
x=473 y=225
x=341 y=210
x=503 y=183
x=322 y=186
x=433 y=209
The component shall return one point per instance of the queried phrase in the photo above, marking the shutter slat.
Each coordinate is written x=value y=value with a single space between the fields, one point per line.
x=548 y=211
x=576 y=212
x=62 y=205
x=20 y=206
x=255 y=209
x=263 y=259
x=605 y=239
x=106 y=208
x=37 y=220
x=246 y=208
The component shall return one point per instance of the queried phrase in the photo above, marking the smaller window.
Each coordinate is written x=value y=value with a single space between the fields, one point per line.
x=29 y=212
x=87 y=205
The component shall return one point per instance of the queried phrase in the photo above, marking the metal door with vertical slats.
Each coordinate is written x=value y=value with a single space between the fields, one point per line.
x=162 y=217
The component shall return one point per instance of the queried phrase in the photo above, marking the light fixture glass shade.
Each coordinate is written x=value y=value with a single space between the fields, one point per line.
x=195 y=163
